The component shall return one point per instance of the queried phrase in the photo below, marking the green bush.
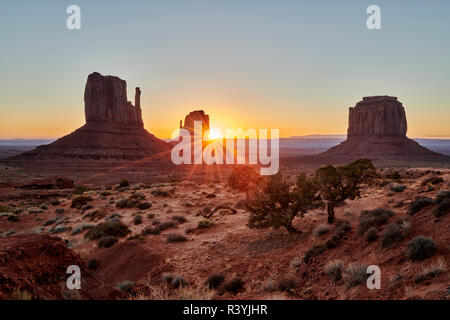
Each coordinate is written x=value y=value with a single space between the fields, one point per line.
x=204 y=224
x=420 y=248
x=233 y=286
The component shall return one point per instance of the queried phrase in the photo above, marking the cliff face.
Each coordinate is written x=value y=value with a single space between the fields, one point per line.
x=379 y=116
x=114 y=129
x=105 y=100
x=377 y=130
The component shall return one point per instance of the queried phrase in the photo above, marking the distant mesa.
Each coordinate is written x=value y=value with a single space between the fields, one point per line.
x=377 y=130
x=114 y=129
x=197 y=115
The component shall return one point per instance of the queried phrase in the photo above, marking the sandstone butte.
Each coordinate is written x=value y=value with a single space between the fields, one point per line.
x=377 y=130
x=114 y=128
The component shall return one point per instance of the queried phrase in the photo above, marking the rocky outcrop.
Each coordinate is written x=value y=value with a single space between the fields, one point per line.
x=379 y=116
x=105 y=100
x=377 y=130
x=114 y=129
x=197 y=115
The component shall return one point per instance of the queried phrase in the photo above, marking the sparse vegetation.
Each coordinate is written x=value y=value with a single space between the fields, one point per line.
x=314 y=251
x=80 y=201
x=341 y=183
x=371 y=235
x=420 y=248
x=373 y=218
x=334 y=270
x=355 y=274
x=124 y=183
x=175 y=237
x=214 y=281
x=114 y=228
x=391 y=233
x=431 y=271
x=80 y=189
x=397 y=187
x=137 y=219
x=126 y=286
x=418 y=204
x=232 y=286
x=106 y=242
x=144 y=206
x=242 y=177
x=205 y=224
x=320 y=230
x=275 y=204
x=179 y=219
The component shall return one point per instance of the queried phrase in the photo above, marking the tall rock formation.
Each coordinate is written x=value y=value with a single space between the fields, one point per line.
x=377 y=130
x=114 y=129
x=197 y=115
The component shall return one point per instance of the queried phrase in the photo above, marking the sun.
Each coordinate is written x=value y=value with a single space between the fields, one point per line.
x=215 y=133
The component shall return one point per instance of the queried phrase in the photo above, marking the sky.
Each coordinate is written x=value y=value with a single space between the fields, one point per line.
x=296 y=66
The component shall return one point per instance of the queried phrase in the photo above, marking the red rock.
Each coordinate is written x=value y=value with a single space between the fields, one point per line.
x=197 y=115
x=114 y=129
x=377 y=130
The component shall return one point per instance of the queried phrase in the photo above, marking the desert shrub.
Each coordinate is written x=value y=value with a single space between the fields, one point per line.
x=355 y=274
x=397 y=187
x=166 y=225
x=204 y=224
x=58 y=229
x=59 y=211
x=137 y=219
x=393 y=175
x=442 y=209
x=431 y=271
x=124 y=183
x=418 y=204
x=179 y=219
x=332 y=242
x=114 y=228
x=19 y=294
x=342 y=228
x=286 y=284
x=433 y=180
x=214 y=281
x=334 y=270
x=13 y=218
x=373 y=218
x=108 y=241
x=144 y=206
x=336 y=184
x=233 y=286
x=242 y=177
x=150 y=215
x=175 y=237
x=442 y=195
x=371 y=235
x=5 y=209
x=160 y=193
x=80 y=189
x=320 y=230
x=275 y=203
x=314 y=251
x=126 y=286
x=92 y=264
x=420 y=248
x=130 y=202
x=55 y=202
x=179 y=282
x=391 y=233
x=82 y=227
x=80 y=201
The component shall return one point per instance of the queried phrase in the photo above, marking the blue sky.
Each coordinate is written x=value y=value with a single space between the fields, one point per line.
x=292 y=65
